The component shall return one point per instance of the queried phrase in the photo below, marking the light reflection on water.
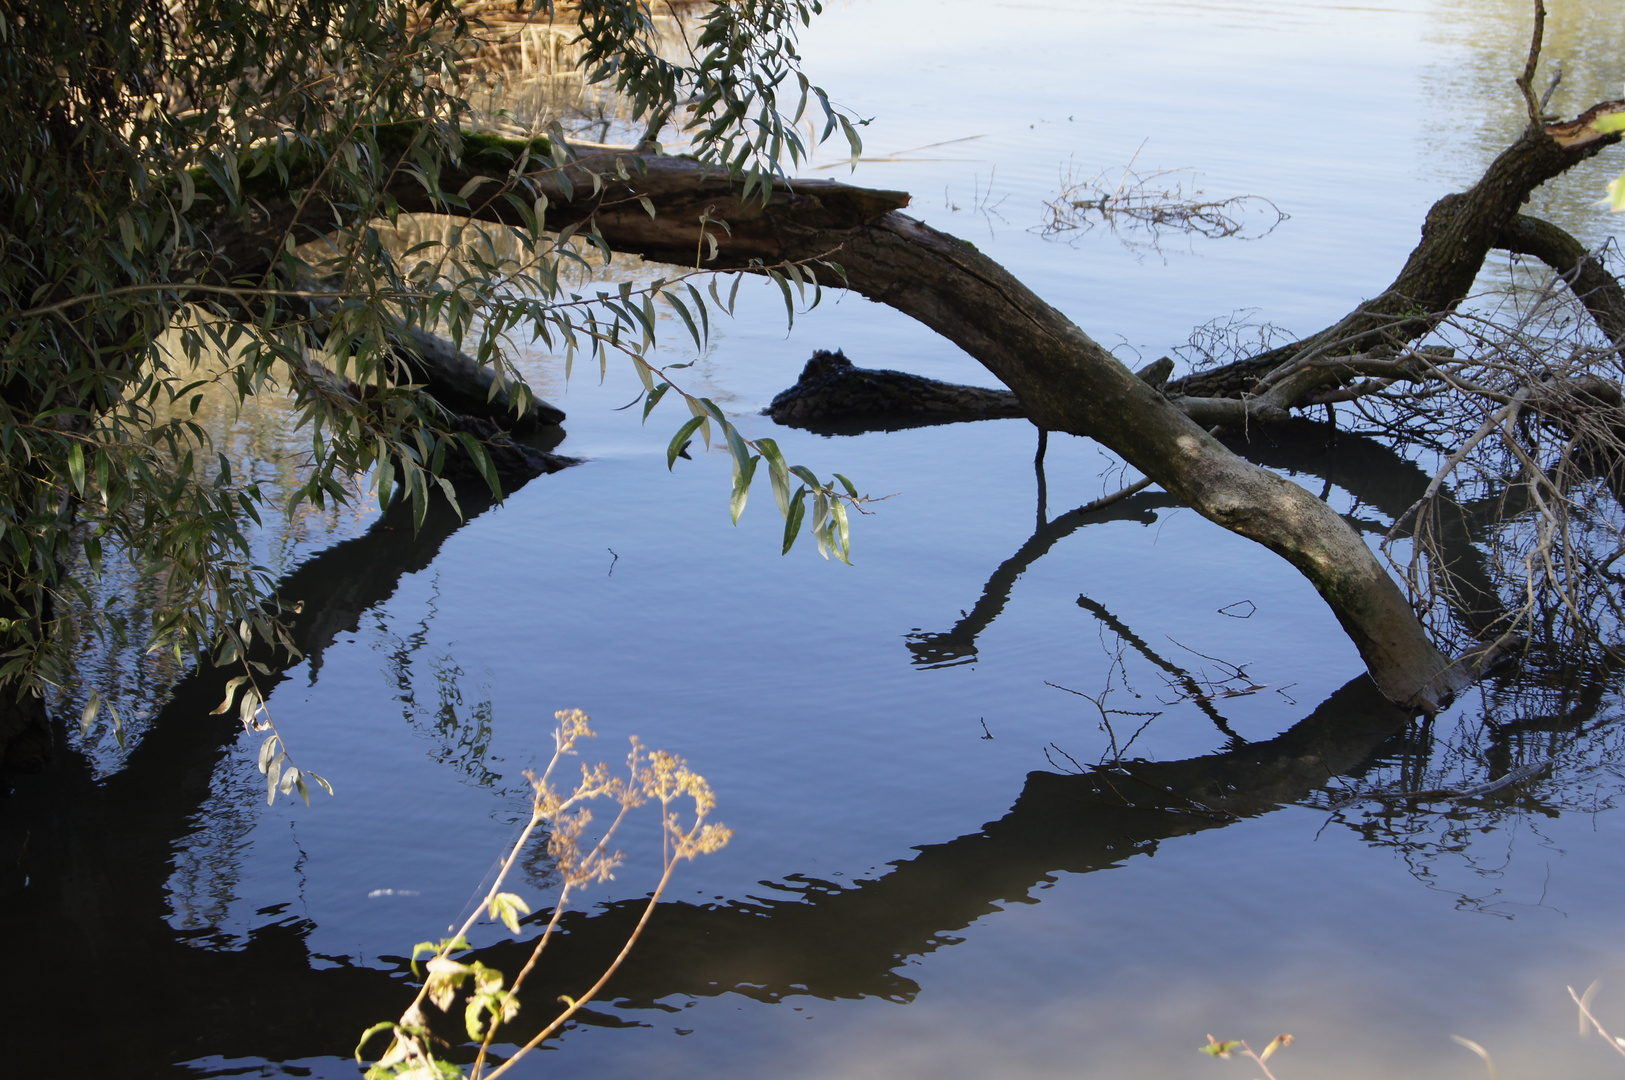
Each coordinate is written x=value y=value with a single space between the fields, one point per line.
x=619 y=588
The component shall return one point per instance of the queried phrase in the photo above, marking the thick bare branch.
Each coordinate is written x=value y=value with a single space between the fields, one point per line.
x=1459 y=232
x=1587 y=277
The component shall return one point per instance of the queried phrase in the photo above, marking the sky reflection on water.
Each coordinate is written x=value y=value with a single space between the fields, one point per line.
x=798 y=689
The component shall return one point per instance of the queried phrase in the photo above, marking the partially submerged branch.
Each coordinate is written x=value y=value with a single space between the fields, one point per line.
x=674 y=210
x=1157 y=201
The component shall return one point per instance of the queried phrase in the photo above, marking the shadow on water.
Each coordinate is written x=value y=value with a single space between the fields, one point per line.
x=96 y=860
x=84 y=865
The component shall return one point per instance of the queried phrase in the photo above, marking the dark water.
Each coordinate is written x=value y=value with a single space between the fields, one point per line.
x=917 y=886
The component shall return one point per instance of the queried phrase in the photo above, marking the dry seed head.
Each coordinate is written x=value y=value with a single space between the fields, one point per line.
x=694 y=785
x=660 y=777
x=547 y=802
x=596 y=782
x=572 y=727
x=597 y=868
x=564 y=841
x=709 y=838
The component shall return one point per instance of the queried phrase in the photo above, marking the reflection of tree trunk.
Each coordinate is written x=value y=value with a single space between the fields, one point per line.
x=831 y=941
x=98 y=857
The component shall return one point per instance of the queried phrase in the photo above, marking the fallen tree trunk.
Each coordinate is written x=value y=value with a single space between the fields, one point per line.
x=1063 y=378
x=1066 y=381
x=833 y=393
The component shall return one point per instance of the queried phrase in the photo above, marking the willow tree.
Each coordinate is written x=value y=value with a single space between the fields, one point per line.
x=149 y=148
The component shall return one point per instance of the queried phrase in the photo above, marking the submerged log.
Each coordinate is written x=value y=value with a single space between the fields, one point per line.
x=461 y=384
x=514 y=460
x=832 y=390
x=834 y=397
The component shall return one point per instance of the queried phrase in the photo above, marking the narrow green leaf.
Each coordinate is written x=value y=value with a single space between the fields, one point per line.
x=482 y=461
x=792 y=520
x=821 y=522
x=250 y=707
x=268 y=752
x=650 y=400
x=789 y=301
x=741 y=492
x=272 y=775
x=700 y=306
x=472 y=186
x=88 y=717
x=231 y=696
x=76 y=467
x=680 y=440
x=736 y=446
x=715 y=410
x=843 y=534
x=688 y=320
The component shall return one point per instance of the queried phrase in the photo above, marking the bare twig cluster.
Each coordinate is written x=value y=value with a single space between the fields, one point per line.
x=1161 y=200
x=1521 y=528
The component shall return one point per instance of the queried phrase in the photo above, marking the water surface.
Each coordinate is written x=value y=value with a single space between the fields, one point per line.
x=901 y=899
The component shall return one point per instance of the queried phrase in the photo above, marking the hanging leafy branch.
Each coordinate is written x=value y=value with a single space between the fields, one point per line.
x=218 y=180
